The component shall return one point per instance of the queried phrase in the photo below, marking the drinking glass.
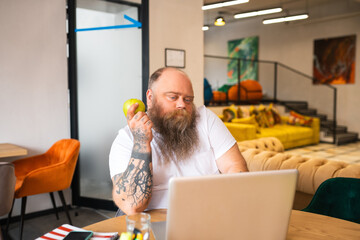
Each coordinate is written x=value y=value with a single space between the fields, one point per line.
x=139 y=223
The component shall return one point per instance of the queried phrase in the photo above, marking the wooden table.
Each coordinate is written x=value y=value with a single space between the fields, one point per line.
x=11 y=150
x=303 y=226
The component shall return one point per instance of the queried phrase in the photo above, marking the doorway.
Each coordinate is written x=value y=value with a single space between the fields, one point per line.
x=108 y=64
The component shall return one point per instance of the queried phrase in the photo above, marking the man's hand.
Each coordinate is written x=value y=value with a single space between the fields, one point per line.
x=140 y=126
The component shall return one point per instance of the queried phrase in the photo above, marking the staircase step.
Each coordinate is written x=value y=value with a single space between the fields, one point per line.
x=307 y=112
x=339 y=129
x=294 y=105
x=327 y=124
x=322 y=117
x=343 y=138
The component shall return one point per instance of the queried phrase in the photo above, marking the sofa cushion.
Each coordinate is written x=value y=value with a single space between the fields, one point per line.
x=265 y=144
x=248 y=120
x=286 y=132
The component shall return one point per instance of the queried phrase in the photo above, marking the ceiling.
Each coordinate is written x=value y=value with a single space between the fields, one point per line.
x=315 y=9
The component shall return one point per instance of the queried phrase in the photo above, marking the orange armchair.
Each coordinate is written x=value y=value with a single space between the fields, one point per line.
x=7 y=185
x=46 y=173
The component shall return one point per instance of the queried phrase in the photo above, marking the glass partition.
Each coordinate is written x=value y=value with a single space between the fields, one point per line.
x=109 y=71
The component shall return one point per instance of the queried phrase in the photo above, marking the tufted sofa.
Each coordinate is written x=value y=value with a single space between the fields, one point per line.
x=268 y=154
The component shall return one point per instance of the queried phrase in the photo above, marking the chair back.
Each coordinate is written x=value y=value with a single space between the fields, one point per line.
x=7 y=186
x=337 y=197
x=50 y=172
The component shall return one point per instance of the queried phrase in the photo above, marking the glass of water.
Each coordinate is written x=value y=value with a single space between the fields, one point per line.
x=139 y=224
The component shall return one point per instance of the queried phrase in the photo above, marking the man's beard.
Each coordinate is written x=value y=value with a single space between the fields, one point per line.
x=178 y=134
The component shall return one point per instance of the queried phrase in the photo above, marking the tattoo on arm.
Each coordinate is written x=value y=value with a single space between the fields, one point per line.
x=136 y=182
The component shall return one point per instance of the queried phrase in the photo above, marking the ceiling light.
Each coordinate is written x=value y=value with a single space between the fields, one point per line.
x=223 y=4
x=205 y=28
x=257 y=13
x=286 y=19
x=219 y=21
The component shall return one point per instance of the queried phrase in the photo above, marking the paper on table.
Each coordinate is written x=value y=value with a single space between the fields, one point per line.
x=60 y=232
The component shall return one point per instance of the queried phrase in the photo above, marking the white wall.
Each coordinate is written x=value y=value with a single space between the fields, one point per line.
x=292 y=44
x=177 y=24
x=33 y=79
x=33 y=69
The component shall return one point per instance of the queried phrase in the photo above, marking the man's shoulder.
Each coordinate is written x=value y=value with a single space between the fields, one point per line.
x=201 y=110
x=204 y=112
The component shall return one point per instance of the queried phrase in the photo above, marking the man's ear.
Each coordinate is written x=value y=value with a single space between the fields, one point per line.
x=149 y=98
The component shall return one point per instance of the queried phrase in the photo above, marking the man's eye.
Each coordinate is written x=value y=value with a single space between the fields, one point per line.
x=188 y=100
x=172 y=97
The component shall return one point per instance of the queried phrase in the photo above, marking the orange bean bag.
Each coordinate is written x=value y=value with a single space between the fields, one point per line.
x=249 y=90
x=219 y=96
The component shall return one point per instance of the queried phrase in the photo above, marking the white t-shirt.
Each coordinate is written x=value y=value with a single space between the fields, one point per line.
x=215 y=140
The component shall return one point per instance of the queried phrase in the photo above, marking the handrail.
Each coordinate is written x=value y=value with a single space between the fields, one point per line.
x=303 y=74
x=276 y=65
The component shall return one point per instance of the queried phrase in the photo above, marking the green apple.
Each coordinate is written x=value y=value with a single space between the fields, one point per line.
x=128 y=103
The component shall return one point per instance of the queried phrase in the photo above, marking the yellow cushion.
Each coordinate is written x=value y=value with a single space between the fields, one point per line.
x=286 y=133
x=248 y=120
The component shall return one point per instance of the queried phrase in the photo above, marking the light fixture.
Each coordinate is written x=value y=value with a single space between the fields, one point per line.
x=257 y=13
x=219 y=21
x=205 y=28
x=286 y=19
x=223 y=4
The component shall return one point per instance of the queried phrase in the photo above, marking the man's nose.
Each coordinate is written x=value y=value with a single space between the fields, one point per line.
x=180 y=104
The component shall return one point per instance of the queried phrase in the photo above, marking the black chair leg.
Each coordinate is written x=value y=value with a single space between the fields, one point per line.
x=61 y=195
x=23 y=207
x=54 y=205
x=8 y=220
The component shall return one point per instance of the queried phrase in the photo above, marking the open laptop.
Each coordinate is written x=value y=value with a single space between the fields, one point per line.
x=252 y=205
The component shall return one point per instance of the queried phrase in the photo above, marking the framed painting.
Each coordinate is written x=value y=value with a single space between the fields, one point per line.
x=334 y=60
x=247 y=50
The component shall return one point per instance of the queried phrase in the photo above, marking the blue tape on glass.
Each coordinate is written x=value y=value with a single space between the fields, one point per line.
x=134 y=24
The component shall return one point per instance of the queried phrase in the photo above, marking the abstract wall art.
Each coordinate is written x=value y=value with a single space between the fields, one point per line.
x=334 y=60
x=246 y=49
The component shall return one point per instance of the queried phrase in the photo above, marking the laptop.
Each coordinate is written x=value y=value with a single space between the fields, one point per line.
x=251 y=205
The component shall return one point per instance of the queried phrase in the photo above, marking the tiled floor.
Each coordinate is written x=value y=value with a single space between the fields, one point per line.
x=349 y=153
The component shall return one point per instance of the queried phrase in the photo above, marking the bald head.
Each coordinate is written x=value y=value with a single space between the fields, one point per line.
x=171 y=88
x=157 y=74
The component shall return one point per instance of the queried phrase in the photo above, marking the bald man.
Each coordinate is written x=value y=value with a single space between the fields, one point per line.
x=173 y=139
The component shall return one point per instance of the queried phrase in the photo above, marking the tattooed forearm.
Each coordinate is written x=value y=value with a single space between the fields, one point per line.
x=136 y=182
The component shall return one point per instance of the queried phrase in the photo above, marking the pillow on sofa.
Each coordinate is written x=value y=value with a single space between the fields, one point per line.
x=264 y=116
x=275 y=114
x=299 y=120
x=248 y=120
x=229 y=113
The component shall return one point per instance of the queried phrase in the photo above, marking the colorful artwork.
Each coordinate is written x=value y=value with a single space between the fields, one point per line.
x=246 y=49
x=334 y=60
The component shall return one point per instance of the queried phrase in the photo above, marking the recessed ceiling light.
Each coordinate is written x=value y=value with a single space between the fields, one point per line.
x=257 y=13
x=286 y=19
x=223 y=4
x=205 y=28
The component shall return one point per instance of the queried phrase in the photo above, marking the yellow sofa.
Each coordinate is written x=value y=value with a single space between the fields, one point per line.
x=290 y=136
x=268 y=154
